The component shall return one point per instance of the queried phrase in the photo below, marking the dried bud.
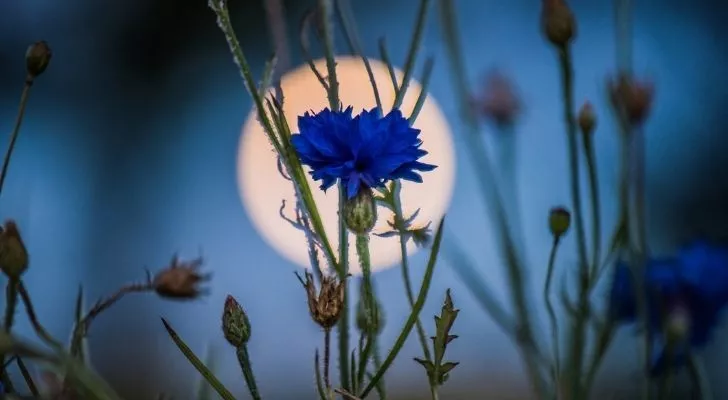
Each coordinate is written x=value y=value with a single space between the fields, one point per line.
x=632 y=97
x=558 y=22
x=235 y=324
x=559 y=221
x=325 y=308
x=587 y=119
x=180 y=280
x=360 y=212
x=13 y=255
x=37 y=58
x=369 y=314
x=498 y=101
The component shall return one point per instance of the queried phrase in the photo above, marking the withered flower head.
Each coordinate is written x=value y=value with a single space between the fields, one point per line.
x=631 y=97
x=13 y=254
x=180 y=280
x=325 y=307
x=557 y=22
x=235 y=323
x=498 y=100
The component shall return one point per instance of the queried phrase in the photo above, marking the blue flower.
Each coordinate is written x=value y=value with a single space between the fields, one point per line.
x=364 y=150
x=695 y=282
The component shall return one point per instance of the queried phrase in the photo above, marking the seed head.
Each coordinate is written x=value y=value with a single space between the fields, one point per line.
x=180 y=280
x=13 y=254
x=324 y=307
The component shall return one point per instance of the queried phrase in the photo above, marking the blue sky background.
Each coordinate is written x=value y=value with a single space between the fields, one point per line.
x=128 y=154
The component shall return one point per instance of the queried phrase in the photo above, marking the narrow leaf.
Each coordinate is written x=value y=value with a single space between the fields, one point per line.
x=197 y=363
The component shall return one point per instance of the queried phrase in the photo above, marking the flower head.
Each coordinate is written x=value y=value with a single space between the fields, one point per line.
x=326 y=305
x=499 y=100
x=180 y=280
x=363 y=150
x=632 y=97
x=688 y=291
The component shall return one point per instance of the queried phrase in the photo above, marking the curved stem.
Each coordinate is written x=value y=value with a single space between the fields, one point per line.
x=552 y=314
x=11 y=292
x=578 y=337
x=595 y=207
x=245 y=366
x=16 y=131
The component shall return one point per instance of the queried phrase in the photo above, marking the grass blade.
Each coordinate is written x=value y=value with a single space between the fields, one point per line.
x=198 y=364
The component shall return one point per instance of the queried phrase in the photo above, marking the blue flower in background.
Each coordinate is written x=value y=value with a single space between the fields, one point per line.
x=364 y=150
x=691 y=288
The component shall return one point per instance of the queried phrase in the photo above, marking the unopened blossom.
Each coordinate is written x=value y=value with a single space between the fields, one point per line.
x=632 y=97
x=498 y=100
x=685 y=294
x=37 y=58
x=235 y=323
x=366 y=150
x=557 y=22
x=587 y=119
x=180 y=280
x=13 y=254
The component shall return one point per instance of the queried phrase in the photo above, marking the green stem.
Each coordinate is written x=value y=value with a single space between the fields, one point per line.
x=412 y=52
x=326 y=10
x=578 y=339
x=555 y=338
x=16 y=131
x=377 y=365
x=399 y=218
x=11 y=292
x=699 y=376
x=595 y=207
x=489 y=189
x=344 y=270
x=327 y=358
x=245 y=366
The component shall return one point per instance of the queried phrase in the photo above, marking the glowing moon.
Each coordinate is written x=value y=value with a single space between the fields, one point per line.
x=262 y=188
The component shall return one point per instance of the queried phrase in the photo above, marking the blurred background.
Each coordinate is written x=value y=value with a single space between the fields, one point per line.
x=128 y=155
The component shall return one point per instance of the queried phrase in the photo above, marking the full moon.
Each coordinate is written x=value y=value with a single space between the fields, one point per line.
x=263 y=189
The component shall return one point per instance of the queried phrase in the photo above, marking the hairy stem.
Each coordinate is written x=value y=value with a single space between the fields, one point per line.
x=16 y=131
x=245 y=366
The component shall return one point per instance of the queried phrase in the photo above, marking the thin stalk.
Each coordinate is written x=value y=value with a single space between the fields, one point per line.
x=555 y=338
x=343 y=324
x=591 y=166
x=489 y=189
x=578 y=337
x=11 y=293
x=381 y=388
x=415 y=43
x=34 y=321
x=327 y=358
x=16 y=131
x=28 y=378
x=699 y=376
x=245 y=366
x=399 y=218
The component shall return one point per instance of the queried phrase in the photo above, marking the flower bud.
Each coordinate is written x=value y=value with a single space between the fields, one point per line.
x=587 y=119
x=559 y=221
x=13 y=255
x=498 y=101
x=180 y=280
x=558 y=22
x=632 y=97
x=235 y=324
x=360 y=212
x=325 y=307
x=37 y=58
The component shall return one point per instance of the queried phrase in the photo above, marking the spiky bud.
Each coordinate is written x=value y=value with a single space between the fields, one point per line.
x=325 y=307
x=235 y=323
x=559 y=221
x=37 y=58
x=360 y=212
x=180 y=280
x=13 y=254
x=558 y=22
x=587 y=119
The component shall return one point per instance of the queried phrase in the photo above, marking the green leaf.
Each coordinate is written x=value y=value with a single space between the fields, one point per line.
x=419 y=303
x=319 y=380
x=199 y=365
x=204 y=388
